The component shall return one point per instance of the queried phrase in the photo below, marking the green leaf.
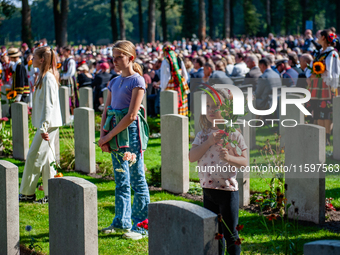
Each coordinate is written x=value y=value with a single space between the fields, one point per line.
x=232 y=145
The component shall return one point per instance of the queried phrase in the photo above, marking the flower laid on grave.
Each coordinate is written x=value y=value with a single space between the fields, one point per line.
x=329 y=206
x=144 y=224
x=32 y=246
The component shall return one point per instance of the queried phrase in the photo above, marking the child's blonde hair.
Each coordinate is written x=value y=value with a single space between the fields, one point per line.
x=129 y=49
x=50 y=63
x=204 y=122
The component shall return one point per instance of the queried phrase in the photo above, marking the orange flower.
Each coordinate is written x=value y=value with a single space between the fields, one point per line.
x=318 y=67
x=30 y=62
x=239 y=241
x=8 y=90
x=0 y=71
x=218 y=236
x=12 y=94
x=282 y=151
x=58 y=175
x=239 y=227
x=271 y=217
x=59 y=65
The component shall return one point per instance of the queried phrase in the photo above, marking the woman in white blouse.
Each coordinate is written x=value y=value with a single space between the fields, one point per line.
x=46 y=117
x=325 y=88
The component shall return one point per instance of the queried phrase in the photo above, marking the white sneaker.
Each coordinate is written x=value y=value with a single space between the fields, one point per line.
x=133 y=235
x=110 y=229
x=101 y=107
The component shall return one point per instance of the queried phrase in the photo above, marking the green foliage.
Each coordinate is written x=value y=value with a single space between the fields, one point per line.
x=6 y=138
x=190 y=18
x=251 y=18
x=195 y=189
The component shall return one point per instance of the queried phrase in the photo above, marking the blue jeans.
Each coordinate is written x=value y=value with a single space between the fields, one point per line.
x=133 y=175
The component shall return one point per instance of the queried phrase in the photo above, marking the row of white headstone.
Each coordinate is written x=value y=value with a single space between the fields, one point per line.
x=304 y=144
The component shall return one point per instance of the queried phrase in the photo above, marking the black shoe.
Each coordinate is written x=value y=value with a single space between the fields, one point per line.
x=25 y=198
x=44 y=200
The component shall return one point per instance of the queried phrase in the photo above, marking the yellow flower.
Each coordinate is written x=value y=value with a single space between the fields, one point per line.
x=12 y=94
x=319 y=68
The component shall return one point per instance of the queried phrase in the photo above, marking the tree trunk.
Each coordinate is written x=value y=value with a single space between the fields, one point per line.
x=164 y=23
x=121 y=20
x=202 y=23
x=227 y=12
x=269 y=20
x=114 y=21
x=26 y=30
x=56 y=12
x=141 y=37
x=152 y=21
x=63 y=14
x=231 y=18
x=211 y=19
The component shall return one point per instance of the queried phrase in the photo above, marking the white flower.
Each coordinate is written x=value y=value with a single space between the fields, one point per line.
x=132 y=162
x=120 y=170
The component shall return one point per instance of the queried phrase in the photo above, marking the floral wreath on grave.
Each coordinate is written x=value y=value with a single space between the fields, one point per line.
x=226 y=110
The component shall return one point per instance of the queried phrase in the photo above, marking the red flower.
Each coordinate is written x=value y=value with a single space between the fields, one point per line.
x=4 y=119
x=239 y=227
x=239 y=241
x=323 y=104
x=271 y=217
x=218 y=236
x=144 y=224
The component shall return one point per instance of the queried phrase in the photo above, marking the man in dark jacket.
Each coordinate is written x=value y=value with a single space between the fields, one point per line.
x=99 y=84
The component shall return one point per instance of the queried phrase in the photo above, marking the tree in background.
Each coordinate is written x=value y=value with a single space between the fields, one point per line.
x=26 y=30
x=226 y=18
x=121 y=20
x=163 y=5
x=60 y=9
x=152 y=21
x=291 y=21
x=189 y=21
x=211 y=18
x=202 y=22
x=251 y=18
x=114 y=21
x=140 y=16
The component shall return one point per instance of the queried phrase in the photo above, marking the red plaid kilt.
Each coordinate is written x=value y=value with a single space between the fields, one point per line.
x=182 y=110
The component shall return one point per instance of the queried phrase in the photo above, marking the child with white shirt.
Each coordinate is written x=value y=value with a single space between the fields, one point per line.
x=220 y=188
x=46 y=117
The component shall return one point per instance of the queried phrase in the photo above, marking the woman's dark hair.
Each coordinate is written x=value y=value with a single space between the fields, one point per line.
x=327 y=34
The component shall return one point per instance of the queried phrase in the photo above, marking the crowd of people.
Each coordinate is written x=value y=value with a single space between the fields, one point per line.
x=132 y=71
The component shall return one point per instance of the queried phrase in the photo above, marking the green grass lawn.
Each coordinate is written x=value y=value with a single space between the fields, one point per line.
x=256 y=238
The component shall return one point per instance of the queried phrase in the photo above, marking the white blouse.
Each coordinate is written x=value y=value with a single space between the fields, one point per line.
x=166 y=74
x=332 y=72
x=46 y=108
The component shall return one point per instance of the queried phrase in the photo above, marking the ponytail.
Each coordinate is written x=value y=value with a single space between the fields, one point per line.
x=54 y=66
x=137 y=68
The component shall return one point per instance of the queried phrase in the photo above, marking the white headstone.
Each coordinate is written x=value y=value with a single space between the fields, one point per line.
x=169 y=102
x=175 y=151
x=64 y=100
x=19 y=112
x=86 y=97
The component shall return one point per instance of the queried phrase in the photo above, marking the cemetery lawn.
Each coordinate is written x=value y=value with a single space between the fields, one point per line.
x=256 y=238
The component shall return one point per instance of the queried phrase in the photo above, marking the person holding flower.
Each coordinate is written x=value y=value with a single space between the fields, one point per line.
x=46 y=117
x=213 y=147
x=323 y=79
x=124 y=134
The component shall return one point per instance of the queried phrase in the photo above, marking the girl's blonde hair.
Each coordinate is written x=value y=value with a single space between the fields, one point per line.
x=49 y=64
x=204 y=122
x=129 y=49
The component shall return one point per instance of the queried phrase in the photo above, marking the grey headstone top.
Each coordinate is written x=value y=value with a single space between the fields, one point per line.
x=190 y=207
x=175 y=115
x=79 y=181
x=6 y=164
x=322 y=247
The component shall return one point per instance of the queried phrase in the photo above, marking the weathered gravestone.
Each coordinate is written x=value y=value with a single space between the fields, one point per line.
x=86 y=97
x=84 y=138
x=327 y=247
x=73 y=220
x=169 y=102
x=20 y=130
x=177 y=227
x=305 y=150
x=174 y=153
x=9 y=208
x=336 y=128
x=64 y=101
